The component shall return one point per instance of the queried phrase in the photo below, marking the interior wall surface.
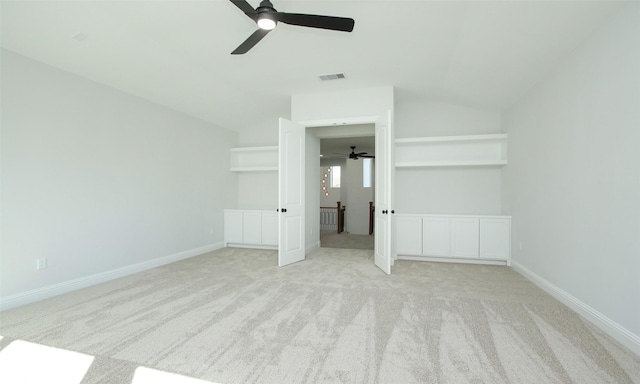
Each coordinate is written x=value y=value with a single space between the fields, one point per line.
x=357 y=211
x=312 y=192
x=342 y=104
x=335 y=194
x=447 y=190
x=94 y=179
x=573 y=179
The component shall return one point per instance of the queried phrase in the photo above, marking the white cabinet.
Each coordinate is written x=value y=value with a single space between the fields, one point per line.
x=409 y=235
x=254 y=159
x=233 y=227
x=435 y=236
x=451 y=151
x=495 y=238
x=251 y=228
x=270 y=228
x=464 y=237
x=460 y=238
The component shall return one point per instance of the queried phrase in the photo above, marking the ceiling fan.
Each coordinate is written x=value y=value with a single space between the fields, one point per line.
x=355 y=156
x=267 y=17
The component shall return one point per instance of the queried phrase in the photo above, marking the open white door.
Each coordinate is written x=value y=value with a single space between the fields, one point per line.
x=291 y=181
x=384 y=191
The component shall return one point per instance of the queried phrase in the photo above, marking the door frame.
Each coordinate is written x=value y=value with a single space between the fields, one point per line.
x=353 y=121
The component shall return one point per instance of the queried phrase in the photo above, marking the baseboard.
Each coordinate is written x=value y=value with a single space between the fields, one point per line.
x=49 y=291
x=252 y=246
x=452 y=260
x=608 y=326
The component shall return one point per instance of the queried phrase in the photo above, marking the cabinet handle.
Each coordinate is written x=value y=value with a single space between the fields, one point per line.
x=283 y=210
x=393 y=211
x=384 y=211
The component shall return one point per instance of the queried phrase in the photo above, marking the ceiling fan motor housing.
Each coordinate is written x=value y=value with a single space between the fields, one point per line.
x=266 y=15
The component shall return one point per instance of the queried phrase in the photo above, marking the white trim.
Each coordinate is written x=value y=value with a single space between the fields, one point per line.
x=608 y=326
x=251 y=246
x=254 y=149
x=339 y=121
x=49 y=291
x=410 y=140
x=458 y=260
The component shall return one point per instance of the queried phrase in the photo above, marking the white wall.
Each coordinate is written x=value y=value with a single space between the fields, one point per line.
x=573 y=179
x=429 y=118
x=342 y=104
x=95 y=179
x=455 y=190
x=358 y=198
x=335 y=194
x=257 y=190
x=312 y=193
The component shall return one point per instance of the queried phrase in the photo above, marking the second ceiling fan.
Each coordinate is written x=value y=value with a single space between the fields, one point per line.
x=355 y=156
x=267 y=17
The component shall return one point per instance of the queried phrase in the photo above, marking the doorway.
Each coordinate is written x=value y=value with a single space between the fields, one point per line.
x=347 y=190
x=299 y=158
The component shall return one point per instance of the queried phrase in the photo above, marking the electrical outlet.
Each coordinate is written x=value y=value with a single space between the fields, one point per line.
x=41 y=263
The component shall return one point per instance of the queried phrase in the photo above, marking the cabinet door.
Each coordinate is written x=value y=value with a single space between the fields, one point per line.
x=408 y=235
x=233 y=227
x=435 y=236
x=269 y=228
x=495 y=242
x=465 y=237
x=251 y=228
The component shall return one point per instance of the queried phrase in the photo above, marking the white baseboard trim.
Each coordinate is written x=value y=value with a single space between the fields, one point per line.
x=252 y=246
x=452 y=260
x=49 y=291
x=608 y=326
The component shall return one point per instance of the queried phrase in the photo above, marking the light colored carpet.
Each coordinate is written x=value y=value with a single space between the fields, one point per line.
x=232 y=316
x=346 y=240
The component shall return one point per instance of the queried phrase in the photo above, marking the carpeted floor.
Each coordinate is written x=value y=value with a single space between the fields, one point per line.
x=346 y=240
x=233 y=316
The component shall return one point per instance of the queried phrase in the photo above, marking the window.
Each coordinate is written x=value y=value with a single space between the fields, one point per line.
x=335 y=176
x=367 y=172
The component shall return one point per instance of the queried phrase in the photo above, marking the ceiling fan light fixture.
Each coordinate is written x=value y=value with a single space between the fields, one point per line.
x=266 y=22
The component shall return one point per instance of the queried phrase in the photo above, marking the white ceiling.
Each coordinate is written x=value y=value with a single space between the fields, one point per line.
x=342 y=145
x=482 y=54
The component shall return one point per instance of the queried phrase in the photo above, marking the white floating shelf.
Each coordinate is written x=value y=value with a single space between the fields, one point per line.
x=254 y=159
x=443 y=139
x=450 y=164
x=451 y=151
x=254 y=169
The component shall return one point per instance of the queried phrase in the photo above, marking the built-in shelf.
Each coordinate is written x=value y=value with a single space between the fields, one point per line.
x=451 y=151
x=254 y=159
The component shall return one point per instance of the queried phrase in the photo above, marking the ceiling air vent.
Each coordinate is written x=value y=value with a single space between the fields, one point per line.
x=333 y=76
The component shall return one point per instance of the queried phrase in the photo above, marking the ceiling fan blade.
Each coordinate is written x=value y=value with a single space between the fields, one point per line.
x=316 y=21
x=250 y=42
x=245 y=7
x=361 y=153
x=367 y=156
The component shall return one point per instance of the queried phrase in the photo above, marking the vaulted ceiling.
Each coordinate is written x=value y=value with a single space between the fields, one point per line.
x=483 y=54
